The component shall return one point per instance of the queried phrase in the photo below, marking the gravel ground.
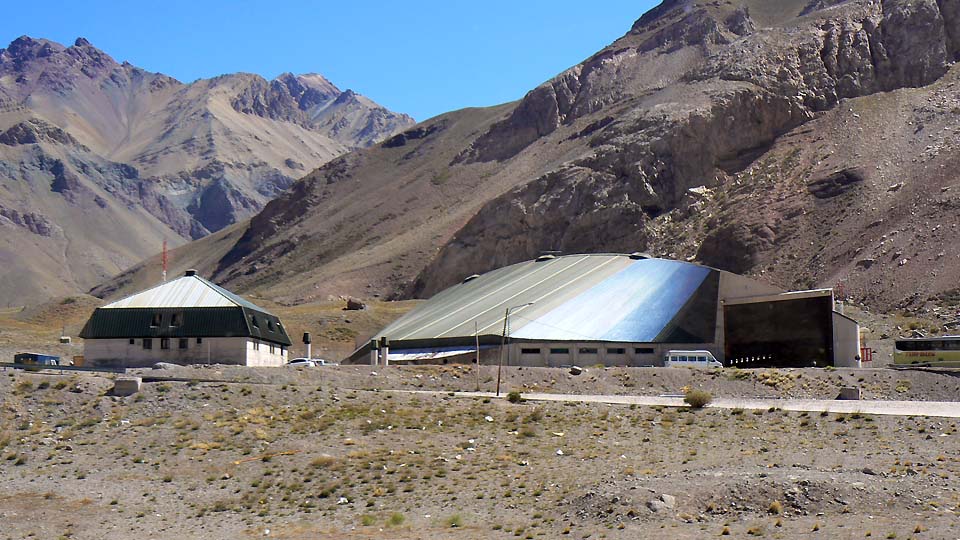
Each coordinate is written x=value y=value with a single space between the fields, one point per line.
x=288 y=453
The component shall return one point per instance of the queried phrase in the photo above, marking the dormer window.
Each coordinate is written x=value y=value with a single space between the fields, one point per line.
x=253 y=321
x=176 y=320
x=155 y=322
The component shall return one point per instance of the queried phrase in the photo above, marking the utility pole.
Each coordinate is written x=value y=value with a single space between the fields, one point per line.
x=476 y=334
x=503 y=340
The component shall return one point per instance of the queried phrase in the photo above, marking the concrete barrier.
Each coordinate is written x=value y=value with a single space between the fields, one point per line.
x=126 y=386
x=849 y=393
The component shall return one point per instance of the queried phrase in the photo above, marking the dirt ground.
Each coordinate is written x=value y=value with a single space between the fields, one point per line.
x=327 y=453
x=233 y=452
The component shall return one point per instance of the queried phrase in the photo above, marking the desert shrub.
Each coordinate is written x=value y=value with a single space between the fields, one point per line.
x=396 y=519
x=535 y=416
x=322 y=462
x=514 y=397
x=697 y=398
x=454 y=521
x=776 y=507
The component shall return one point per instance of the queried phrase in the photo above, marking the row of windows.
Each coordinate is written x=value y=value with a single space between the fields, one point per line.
x=589 y=350
x=270 y=327
x=273 y=348
x=928 y=345
x=176 y=319
x=183 y=343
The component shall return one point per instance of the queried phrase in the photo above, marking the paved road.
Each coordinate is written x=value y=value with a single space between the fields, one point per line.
x=948 y=409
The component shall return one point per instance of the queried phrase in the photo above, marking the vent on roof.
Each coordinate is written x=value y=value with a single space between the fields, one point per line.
x=546 y=258
x=190 y=272
x=471 y=277
x=636 y=255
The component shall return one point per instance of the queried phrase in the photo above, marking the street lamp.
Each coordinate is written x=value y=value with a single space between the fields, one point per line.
x=503 y=339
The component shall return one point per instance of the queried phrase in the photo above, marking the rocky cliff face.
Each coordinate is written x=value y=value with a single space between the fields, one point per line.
x=195 y=158
x=735 y=102
x=784 y=139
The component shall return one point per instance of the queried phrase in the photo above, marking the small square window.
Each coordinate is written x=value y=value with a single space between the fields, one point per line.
x=165 y=343
x=199 y=340
x=147 y=343
x=184 y=343
x=132 y=341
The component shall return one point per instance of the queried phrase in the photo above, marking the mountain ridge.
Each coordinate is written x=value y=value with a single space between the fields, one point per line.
x=708 y=132
x=196 y=157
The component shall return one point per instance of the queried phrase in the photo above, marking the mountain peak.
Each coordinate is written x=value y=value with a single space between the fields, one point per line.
x=26 y=48
x=81 y=42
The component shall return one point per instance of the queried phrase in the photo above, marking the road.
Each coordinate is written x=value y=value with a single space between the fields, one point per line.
x=946 y=409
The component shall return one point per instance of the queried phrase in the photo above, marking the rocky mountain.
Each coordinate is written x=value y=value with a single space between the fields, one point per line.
x=101 y=161
x=806 y=141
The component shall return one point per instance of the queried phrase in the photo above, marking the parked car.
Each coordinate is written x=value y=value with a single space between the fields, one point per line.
x=310 y=362
x=36 y=359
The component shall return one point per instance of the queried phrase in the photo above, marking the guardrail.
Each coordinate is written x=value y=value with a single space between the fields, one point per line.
x=61 y=369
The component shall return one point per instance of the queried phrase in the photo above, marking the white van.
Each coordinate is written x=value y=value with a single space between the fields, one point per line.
x=697 y=359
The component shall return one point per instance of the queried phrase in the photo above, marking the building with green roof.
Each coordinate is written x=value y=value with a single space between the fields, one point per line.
x=188 y=320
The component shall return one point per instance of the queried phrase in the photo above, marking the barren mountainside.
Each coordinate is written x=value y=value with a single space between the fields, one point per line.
x=101 y=161
x=804 y=141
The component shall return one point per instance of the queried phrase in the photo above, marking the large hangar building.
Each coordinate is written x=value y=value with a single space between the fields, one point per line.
x=619 y=310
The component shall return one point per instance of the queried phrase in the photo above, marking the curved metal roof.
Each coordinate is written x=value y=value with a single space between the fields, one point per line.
x=574 y=298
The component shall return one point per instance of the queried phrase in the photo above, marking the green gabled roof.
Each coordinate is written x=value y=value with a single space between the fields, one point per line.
x=122 y=323
x=188 y=306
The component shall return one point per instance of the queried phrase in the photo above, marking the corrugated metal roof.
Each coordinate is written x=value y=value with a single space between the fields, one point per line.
x=575 y=297
x=190 y=291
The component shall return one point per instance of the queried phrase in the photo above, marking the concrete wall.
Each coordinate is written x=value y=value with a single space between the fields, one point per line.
x=586 y=354
x=264 y=354
x=846 y=342
x=216 y=350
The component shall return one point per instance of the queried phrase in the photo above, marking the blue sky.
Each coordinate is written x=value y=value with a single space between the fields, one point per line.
x=422 y=58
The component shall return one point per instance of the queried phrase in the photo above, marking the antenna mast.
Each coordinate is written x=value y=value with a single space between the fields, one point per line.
x=163 y=259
